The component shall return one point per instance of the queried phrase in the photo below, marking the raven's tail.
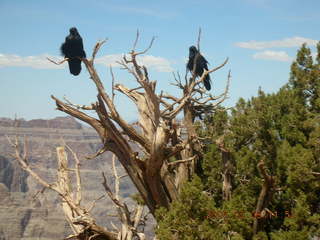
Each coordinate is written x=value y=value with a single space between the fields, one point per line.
x=75 y=66
x=207 y=82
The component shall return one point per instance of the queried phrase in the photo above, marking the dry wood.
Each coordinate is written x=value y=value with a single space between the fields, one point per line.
x=159 y=135
x=78 y=106
x=81 y=222
x=129 y=223
x=58 y=63
x=227 y=166
x=78 y=177
x=265 y=197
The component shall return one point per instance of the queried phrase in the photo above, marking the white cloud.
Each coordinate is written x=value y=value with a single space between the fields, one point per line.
x=273 y=55
x=39 y=62
x=286 y=42
x=157 y=63
x=109 y=60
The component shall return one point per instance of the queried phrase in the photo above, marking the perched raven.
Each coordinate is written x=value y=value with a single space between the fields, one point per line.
x=72 y=49
x=201 y=63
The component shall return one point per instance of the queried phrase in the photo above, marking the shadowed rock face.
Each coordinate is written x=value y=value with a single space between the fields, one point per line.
x=24 y=217
x=12 y=176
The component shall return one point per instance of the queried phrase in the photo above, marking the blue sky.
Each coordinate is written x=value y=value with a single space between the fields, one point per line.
x=260 y=37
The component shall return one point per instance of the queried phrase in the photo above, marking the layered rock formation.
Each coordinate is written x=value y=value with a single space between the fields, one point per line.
x=24 y=214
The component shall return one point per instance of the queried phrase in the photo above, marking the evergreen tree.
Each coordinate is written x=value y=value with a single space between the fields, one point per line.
x=282 y=131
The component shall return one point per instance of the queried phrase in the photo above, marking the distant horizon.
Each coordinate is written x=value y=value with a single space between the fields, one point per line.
x=47 y=119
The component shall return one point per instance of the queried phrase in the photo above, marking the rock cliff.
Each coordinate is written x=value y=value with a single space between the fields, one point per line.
x=24 y=214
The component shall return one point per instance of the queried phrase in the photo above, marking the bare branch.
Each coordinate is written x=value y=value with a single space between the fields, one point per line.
x=93 y=203
x=96 y=49
x=198 y=42
x=222 y=97
x=102 y=150
x=182 y=161
x=173 y=150
x=77 y=114
x=170 y=97
x=78 y=176
x=22 y=160
x=78 y=106
x=148 y=48
x=218 y=67
x=115 y=174
x=122 y=176
x=178 y=80
x=58 y=63
x=115 y=227
x=226 y=91
x=112 y=89
x=134 y=89
x=131 y=132
x=94 y=236
x=41 y=191
x=135 y=41
x=110 y=193
x=25 y=148
x=206 y=72
x=189 y=92
x=186 y=76
x=176 y=111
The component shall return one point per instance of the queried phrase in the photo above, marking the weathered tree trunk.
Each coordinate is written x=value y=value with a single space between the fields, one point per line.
x=227 y=167
x=159 y=135
x=64 y=184
x=265 y=197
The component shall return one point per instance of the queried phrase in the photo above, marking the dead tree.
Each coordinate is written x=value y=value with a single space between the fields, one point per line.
x=82 y=223
x=227 y=166
x=265 y=197
x=161 y=137
x=79 y=218
x=129 y=222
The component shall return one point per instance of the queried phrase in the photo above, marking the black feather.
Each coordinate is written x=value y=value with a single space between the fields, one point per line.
x=72 y=49
x=75 y=66
x=201 y=64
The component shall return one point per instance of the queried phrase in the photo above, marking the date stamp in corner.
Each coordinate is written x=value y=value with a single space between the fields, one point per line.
x=238 y=214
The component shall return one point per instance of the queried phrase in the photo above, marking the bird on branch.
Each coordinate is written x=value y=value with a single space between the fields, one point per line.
x=198 y=67
x=72 y=49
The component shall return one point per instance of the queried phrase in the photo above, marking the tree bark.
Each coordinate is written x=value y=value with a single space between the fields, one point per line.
x=157 y=179
x=265 y=197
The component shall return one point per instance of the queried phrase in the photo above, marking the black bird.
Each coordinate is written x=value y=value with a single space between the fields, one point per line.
x=201 y=63
x=72 y=49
